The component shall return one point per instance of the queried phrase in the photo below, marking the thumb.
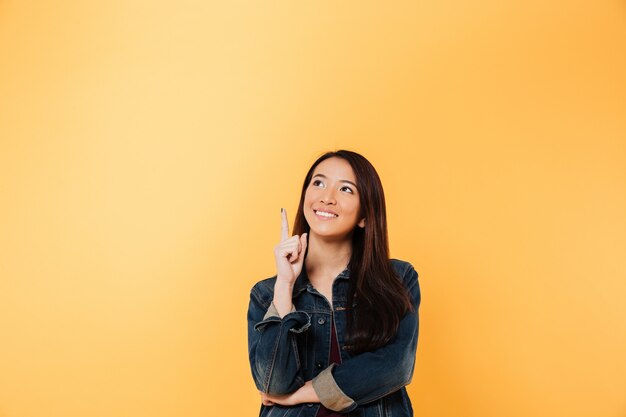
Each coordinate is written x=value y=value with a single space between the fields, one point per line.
x=303 y=242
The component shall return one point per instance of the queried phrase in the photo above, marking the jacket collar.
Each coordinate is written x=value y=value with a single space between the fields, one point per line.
x=302 y=282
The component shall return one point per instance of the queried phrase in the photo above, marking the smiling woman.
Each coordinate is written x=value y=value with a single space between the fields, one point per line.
x=335 y=330
x=328 y=196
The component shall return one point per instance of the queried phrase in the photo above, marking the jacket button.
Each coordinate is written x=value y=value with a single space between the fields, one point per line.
x=321 y=320
x=319 y=365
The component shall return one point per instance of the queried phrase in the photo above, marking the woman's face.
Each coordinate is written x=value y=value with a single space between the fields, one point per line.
x=331 y=202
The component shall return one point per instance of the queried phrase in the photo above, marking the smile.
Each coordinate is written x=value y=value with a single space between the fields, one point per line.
x=325 y=214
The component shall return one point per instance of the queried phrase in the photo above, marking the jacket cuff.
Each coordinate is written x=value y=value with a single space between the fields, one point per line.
x=329 y=393
x=295 y=321
x=271 y=311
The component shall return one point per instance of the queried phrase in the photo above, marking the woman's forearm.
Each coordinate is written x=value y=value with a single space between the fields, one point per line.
x=283 y=293
x=305 y=394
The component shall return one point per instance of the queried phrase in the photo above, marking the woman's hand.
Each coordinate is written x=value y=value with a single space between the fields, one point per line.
x=306 y=394
x=289 y=254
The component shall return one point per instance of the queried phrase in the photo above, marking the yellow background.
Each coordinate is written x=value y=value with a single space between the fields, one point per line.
x=147 y=146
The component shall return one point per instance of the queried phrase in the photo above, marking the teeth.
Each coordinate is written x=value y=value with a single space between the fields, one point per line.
x=323 y=213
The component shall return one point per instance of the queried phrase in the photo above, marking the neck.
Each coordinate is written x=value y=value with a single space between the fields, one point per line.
x=327 y=257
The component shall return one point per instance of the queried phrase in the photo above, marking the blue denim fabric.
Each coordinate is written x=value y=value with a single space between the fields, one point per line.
x=284 y=353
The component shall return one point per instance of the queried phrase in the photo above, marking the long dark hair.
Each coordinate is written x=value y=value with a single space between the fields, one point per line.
x=379 y=298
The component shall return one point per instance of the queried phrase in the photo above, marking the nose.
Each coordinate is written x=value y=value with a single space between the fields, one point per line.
x=328 y=196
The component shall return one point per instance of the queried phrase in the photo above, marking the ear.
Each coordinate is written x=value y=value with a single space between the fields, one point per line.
x=361 y=224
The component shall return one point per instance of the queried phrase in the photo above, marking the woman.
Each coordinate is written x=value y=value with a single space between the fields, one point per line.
x=334 y=332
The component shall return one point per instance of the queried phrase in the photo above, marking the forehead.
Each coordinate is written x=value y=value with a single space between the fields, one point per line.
x=335 y=168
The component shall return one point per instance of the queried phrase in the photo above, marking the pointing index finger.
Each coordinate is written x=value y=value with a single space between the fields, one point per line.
x=284 y=228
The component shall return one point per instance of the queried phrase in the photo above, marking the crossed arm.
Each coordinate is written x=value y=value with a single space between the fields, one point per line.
x=341 y=387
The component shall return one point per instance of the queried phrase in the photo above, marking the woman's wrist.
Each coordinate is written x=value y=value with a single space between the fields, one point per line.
x=283 y=292
x=307 y=394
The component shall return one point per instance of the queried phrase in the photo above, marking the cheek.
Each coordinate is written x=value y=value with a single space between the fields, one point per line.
x=308 y=196
x=354 y=204
x=351 y=209
x=309 y=199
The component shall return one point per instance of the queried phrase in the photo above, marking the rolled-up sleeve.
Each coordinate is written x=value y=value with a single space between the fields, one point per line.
x=273 y=312
x=272 y=346
x=371 y=375
x=329 y=393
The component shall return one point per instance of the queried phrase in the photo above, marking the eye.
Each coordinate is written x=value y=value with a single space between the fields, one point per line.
x=348 y=188
x=315 y=182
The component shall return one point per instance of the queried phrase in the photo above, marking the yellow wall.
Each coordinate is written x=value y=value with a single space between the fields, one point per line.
x=147 y=146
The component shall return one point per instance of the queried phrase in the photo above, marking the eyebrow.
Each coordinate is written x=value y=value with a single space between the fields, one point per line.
x=324 y=176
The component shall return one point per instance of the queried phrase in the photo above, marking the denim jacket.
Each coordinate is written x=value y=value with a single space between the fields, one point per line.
x=284 y=353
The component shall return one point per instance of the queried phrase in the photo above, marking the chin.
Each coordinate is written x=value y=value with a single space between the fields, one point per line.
x=330 y=234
